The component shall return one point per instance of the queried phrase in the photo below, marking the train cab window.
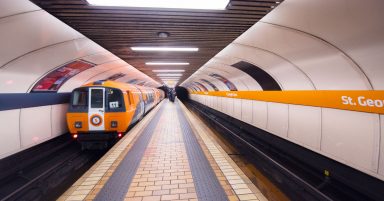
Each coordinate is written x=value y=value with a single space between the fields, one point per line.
x=97 y=98
x=114 y=99
x=80 y=99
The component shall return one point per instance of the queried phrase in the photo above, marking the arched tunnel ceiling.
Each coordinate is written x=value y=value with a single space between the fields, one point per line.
x=117 y=29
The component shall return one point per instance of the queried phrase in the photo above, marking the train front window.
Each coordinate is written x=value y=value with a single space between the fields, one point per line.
x=97 y=98
x=115 y=99
x=80 y=98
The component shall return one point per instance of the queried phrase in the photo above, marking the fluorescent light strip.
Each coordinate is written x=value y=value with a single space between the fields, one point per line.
x=168 y=71
x=169 y=78
x=169 y=75
x=166 y=49
x=167 y=63
x=185 y=4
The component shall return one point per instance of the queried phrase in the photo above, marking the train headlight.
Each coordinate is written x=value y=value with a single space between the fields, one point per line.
x=113 y=124
x=78 y=124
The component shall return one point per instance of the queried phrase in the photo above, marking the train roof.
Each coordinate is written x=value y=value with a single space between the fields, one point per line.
x=115 y=84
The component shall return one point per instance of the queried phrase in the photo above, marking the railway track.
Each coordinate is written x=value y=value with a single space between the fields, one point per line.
x=47 y=177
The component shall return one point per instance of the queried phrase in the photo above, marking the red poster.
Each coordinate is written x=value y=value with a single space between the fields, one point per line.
x=55 y=79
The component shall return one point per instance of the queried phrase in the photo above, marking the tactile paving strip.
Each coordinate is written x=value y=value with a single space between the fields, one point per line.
x=207 y=185
x=117 y=186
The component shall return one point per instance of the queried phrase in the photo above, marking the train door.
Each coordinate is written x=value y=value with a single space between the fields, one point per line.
x=96 y=109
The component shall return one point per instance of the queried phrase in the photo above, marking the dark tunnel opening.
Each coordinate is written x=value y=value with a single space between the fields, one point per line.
x=165 y=89
x=182 y=93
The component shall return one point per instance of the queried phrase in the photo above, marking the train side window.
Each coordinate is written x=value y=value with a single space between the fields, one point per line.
x=115 y=99
x=129 y=98
x=150 y=97
x=80 y=98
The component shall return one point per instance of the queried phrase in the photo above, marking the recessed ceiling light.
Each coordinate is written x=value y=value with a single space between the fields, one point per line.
x=186 y=4
x=169 y=75
x=166 y=49
x=168 y=71
x=163 y=34
x=170 y=78
x=167 y=63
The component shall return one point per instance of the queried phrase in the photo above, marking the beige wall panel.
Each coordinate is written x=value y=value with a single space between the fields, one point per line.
x=246 y=111
x=260 y=114
x=10 y=136
x=278 y=119
x=35 y=125
x=237 y=108
x=59 y=122
x=305 y=125
x=381 y=159
x=351 y=137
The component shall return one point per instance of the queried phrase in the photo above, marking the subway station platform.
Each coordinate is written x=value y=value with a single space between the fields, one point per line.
x=169 y=155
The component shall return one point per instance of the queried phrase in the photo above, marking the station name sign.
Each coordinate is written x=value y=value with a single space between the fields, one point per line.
x=371 y=101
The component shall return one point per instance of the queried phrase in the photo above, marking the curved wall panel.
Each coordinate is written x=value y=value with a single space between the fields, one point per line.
x=27 y=32
x=14 y=7
x=354 y=27
x=289 y=76
x=325 y=55
x=241 y=80
x=20 y=75
x=326 y=66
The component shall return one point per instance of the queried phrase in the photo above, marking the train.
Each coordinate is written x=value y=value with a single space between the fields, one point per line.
x=101 y=112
